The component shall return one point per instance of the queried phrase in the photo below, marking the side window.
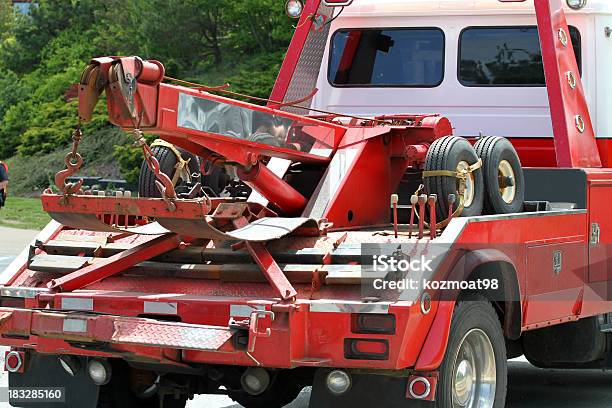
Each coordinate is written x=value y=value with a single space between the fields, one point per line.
x=504 y=56
x=402 y=57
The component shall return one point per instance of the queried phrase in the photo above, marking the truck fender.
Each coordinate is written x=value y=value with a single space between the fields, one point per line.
x=480 y=262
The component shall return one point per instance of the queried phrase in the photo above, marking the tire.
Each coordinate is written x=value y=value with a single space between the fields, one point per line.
x=476 y=334
x=167 y=162
x=448 y=153
x=499 y=159
x=282 y=392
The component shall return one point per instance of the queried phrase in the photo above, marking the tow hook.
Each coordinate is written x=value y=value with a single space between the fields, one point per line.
x=255 y=328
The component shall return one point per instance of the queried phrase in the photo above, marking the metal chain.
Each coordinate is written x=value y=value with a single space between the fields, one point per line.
x=77 y=136
x=163 y=182
x=73 y=161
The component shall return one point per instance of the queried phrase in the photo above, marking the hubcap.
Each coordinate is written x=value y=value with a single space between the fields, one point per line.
x=464 y=382
x=474 y=372
x=468 y=194
x=507 y=183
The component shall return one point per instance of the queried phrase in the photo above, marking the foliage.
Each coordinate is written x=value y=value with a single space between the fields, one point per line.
x=42 y=54
x=31 y=174
x=130 y=157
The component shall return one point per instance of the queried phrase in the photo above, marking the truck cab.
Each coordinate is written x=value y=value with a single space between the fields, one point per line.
x=477 y=62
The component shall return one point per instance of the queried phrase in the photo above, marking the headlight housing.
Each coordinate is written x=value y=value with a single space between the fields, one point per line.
x=294 y=8
x=576 y=4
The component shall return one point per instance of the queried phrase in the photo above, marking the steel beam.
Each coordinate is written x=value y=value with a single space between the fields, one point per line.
x=575 y=143
x=116 y=263
x=271 y=270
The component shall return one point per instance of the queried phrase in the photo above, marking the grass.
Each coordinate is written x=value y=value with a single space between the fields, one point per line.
x=24 y=213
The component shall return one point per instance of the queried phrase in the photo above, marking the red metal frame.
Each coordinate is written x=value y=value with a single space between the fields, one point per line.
x=574 y=136
x=300 y=335
x=116 y=263
x=271 y=270
x=420 y=340
x=292 y=57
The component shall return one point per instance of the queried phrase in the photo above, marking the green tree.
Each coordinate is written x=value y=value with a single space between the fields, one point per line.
x=7 y=19
x=259 y=25
x=43 y=53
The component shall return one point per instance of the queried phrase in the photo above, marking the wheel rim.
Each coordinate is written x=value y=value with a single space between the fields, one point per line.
x=474 y=372
x=505 y=173
x=469 y=193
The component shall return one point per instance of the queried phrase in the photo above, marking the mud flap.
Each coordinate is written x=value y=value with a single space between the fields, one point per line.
x=367 y=391
x=44 y=371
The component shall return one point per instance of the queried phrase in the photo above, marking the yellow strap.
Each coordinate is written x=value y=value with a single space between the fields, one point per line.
x=441 y=173
x=475 y=166
x=182 y=166
x=454 y=174
x=461 y=175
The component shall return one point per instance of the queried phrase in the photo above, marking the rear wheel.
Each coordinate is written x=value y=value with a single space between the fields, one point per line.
x=454 y=154
x=504 y=182
x=474 y=371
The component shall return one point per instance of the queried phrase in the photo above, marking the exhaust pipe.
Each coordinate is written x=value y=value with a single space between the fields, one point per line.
x=255 y=381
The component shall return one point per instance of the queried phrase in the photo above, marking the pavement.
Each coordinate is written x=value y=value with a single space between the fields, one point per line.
x=528 y=387
x=12 y=242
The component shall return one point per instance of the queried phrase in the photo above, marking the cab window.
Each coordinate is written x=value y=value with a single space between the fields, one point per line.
x=398 y=57
x=504 y=56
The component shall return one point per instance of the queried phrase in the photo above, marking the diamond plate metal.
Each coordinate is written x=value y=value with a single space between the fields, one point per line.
x=174 y=335
x=306 y=74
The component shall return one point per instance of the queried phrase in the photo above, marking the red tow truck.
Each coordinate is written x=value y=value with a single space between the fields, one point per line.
x=375 y=257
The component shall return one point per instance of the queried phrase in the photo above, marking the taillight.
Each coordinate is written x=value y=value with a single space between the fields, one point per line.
x=419 y=388
x=373 y=324
x=422 y=386
x=366 y=349
x=13 y=361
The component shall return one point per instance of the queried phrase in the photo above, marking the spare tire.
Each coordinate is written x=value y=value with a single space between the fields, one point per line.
x=504 y=182
x=167 y=164
x=454 y=154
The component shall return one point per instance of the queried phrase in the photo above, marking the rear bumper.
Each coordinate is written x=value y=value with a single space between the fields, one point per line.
x=305 y=334
x=105 y=329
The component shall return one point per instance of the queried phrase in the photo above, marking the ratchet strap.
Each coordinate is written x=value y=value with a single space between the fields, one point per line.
x=181 y=169
x=462 y=174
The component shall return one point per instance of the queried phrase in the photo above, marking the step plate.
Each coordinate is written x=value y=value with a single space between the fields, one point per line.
x=173 y=335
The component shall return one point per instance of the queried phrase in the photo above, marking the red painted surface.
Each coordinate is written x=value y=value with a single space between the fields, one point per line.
x=540 y=151
x=574 y=148
x=305 y=25
x=271 y=270
x=299 y=336
x=116 y=264
x=275 y=189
